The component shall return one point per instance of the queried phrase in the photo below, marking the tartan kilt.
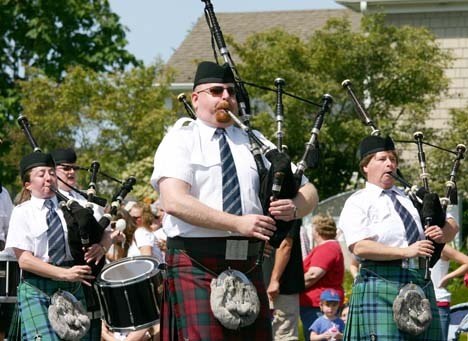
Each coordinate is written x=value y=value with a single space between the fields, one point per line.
x=370 y=309
x=186 y=312
x=33 y=302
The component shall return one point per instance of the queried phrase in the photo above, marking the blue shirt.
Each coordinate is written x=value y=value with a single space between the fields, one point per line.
x=322 y=324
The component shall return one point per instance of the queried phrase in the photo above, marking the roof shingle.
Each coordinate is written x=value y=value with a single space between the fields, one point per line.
x=197 y=45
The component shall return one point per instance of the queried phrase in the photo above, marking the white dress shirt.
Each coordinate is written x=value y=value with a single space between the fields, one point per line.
x=191 y=153
x=370 y=214
x=6 y=206
x=28 y=228
x=144 y=237
x=438 y=271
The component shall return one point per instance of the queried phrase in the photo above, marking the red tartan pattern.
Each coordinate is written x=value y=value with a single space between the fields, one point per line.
x=186 y=305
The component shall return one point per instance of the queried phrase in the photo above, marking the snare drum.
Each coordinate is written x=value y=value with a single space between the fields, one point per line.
x=10 y=275
x=129 y=292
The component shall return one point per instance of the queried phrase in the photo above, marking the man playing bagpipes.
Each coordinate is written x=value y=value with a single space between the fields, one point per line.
x=209 y=188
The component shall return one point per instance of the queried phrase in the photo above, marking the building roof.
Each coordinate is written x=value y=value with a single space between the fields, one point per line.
x=405 y=6
x=197 y=45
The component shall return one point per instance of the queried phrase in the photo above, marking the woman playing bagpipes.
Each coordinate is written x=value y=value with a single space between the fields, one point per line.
x=38 y=238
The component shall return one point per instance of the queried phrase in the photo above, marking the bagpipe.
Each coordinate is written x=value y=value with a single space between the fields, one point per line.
x=278 y=181
x=431 y=208
x=83 y=228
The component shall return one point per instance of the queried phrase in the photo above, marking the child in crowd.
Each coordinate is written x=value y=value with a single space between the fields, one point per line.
x=329 y=326
x=344 y=312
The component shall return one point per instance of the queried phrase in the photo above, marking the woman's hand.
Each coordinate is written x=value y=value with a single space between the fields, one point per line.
x=421 y=248
x=435 y=233
x=94 y=252
x=78 y=273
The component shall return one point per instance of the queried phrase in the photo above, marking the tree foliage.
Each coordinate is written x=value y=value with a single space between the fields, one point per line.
x=398 y=72
x=52 y=36
x=119 y=117
x=116 y=118
x=441 y=162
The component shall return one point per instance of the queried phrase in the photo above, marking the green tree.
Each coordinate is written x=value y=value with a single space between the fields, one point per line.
x=399 y=71
x=115 y=118
x=52 y=36
x=440 y=164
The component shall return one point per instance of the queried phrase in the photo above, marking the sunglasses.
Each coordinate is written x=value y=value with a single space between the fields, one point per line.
x=217 y=91
x=67 y=168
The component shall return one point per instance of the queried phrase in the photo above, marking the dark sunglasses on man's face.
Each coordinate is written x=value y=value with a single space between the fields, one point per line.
x=67 y=168
x=218 y=90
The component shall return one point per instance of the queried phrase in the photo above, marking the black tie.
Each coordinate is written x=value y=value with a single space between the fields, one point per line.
x=55 y=234
x=412 y=232
x=231 y=190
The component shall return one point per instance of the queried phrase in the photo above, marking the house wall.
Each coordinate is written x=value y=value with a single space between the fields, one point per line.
x=451 y=30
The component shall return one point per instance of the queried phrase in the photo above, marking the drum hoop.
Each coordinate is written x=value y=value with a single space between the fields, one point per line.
x=6 y=257
x=105 y=282
x=131 y=328
x=10 y=262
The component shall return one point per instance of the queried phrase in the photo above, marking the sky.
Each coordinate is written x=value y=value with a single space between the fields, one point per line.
x=157 y=28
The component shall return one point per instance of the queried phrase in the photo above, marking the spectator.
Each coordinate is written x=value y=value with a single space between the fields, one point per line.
x=441 y=277
x=344 y=312
x=329 y=326
x=124 y=222
x=143 y=240
x=6 y=206
x=323 y=268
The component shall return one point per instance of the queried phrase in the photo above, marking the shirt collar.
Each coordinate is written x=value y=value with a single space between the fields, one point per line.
x=375 y=191
x=207 y=132
x=39 y=202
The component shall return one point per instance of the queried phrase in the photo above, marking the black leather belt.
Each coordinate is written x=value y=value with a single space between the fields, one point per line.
x=411 y=263
x=211 y=246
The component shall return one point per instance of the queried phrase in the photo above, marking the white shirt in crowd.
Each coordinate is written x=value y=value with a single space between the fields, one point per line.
x=6 y=207
x=143 y=237
x=439 y=270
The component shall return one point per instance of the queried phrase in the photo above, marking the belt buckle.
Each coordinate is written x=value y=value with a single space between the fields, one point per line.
x=236 y=249
x=93 y=315
x=413 y=263
x=405 y=263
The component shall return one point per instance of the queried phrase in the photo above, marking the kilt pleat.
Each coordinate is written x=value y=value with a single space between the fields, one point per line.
x=371 y=314
x=33 y=303
x=187 y=309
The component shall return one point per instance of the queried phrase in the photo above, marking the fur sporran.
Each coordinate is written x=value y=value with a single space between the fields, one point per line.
x=234 y=300
x=68 y=316
x=412 y=310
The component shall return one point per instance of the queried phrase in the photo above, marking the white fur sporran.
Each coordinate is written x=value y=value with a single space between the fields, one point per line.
x=412 y=310
x=234 y=300
x=68 y=316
